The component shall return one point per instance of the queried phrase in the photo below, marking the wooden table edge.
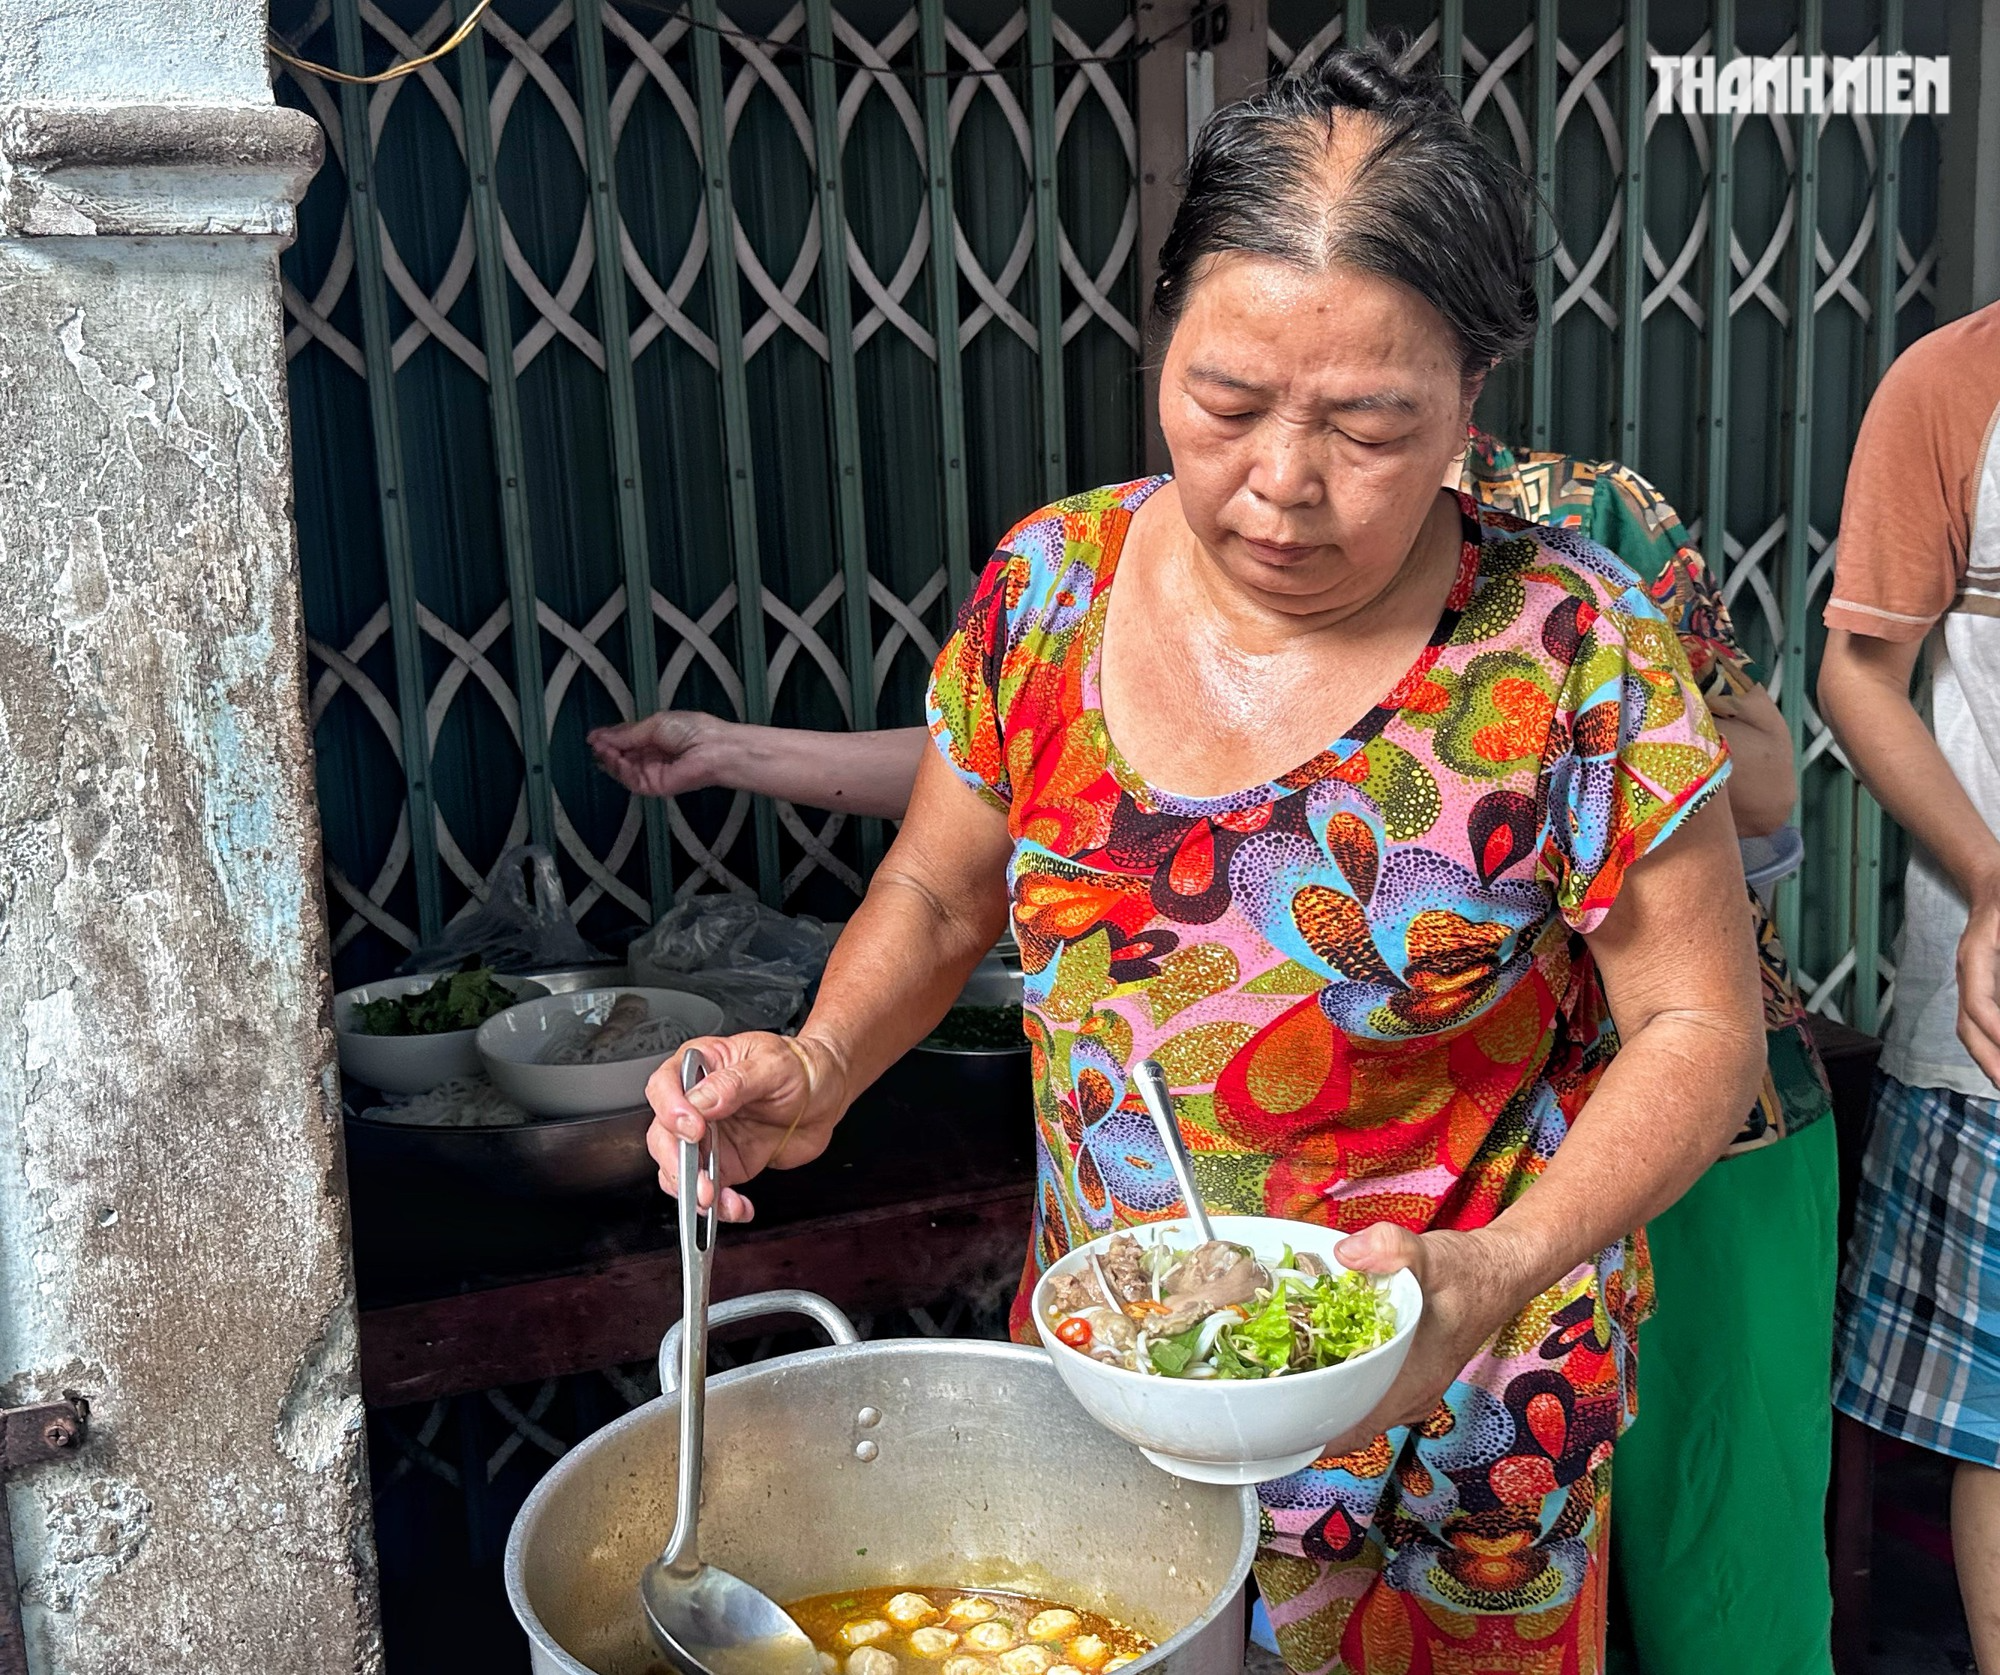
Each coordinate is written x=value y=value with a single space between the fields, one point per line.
x=605 y=1313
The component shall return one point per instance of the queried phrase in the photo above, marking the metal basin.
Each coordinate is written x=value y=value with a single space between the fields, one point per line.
x=914 y=1461
x=554 y=1158
x=571 y=978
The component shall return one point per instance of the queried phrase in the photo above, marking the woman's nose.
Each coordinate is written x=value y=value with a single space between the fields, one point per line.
x=1286 y=474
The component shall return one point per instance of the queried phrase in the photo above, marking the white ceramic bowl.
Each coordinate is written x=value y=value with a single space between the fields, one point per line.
x=408 y=1063
x=511 y=1045
x=1233 y=1430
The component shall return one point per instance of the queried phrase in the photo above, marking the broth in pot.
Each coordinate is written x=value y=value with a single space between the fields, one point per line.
x=961 y=1631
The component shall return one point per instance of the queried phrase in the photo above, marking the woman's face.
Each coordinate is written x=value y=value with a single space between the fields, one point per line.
x=1311 y=418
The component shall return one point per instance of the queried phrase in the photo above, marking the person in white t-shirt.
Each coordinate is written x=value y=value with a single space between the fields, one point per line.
x=1918 y=576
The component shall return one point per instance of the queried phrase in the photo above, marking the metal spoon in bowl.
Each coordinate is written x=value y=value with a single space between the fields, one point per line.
x=705 y=1619
x=1159 y=1104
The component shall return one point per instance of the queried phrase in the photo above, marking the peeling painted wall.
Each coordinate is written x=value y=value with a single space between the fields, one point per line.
x=172 y=1200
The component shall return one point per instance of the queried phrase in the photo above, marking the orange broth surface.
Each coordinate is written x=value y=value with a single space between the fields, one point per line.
x=964 y=1631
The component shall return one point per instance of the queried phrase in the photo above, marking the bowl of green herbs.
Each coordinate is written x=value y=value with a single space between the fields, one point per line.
x=408 y=1034
x=984 y=1023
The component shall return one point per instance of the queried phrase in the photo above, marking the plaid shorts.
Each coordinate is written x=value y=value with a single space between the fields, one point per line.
x=1917 y=1355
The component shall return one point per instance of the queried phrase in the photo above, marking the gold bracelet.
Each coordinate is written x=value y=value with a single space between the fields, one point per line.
x=805 y=1064
x=805 y=1061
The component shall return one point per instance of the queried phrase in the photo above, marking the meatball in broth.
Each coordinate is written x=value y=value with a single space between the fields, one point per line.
x=961 y=1631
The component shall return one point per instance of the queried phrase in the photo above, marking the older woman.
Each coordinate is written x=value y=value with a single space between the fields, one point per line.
x=1382 y=973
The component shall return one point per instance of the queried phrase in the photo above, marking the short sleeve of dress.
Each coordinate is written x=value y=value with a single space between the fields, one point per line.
x=962 y=704
x=1693 y=606
x=1632 y=752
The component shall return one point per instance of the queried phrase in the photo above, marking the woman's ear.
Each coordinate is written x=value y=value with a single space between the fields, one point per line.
x=1473 y=383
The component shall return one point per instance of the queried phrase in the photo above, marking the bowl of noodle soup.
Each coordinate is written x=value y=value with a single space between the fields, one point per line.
x=593 y=1050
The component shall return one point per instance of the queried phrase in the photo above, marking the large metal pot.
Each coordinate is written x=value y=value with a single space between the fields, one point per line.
x=915 y=1461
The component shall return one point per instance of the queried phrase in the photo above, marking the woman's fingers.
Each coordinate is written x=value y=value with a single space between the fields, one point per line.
x=1441 y=1348
x=732 y=1206
x=720 y=1092
x=620 y=735
x=752 y=1095
x=1382 y=1249
x=665 y=1147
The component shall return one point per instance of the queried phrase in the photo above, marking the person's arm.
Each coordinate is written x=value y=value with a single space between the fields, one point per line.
x=1864 y=693
x=676 y=751
x=1680 y=970
x=937 y=903
x=1764 y=787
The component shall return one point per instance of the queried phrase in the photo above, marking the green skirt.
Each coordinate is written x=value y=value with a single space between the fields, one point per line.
x=1718 y=1537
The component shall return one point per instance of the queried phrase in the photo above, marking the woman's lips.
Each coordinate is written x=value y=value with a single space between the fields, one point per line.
x=1278 y=552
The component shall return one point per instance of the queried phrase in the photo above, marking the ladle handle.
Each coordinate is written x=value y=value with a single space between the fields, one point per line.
x=1159 y=1103
x=697 y=1252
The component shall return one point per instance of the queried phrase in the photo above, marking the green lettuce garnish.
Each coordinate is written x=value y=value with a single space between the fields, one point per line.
x=464 y=1000
x=1299 y=1328
x=1173 y=1355
x=1347 y=1315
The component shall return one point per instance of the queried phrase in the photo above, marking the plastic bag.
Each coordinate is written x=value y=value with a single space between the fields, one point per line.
x=523 y=925
x=751 y=960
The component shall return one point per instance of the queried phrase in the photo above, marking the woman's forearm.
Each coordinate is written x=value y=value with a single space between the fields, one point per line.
x=1667 y=1105
x=1678 y=956
x=936 y=904
x=853 y=773
x=1763 y=786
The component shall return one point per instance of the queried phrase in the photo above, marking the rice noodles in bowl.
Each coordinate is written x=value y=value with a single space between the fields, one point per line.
x=1274 y=1348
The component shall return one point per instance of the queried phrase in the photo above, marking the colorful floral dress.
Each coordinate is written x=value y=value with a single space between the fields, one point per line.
x=1365 y=982
x=1621 y=510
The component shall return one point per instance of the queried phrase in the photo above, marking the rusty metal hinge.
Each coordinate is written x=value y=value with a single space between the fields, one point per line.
x=29 y=1436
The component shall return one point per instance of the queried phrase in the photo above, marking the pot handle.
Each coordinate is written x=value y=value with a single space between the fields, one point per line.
x=835 y=1324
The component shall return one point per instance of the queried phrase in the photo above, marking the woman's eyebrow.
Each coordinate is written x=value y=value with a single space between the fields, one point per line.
x=1226 y=380
x=1375 y=401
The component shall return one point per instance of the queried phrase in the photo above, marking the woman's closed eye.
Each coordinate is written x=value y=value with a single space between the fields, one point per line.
x=1362 y=439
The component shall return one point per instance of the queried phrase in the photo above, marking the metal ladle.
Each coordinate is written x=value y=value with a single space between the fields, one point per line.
x=1159 y=1104
x=703 y=1618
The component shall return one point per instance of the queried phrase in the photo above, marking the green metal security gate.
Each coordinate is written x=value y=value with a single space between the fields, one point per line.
x=724 y=419
x=839 y=429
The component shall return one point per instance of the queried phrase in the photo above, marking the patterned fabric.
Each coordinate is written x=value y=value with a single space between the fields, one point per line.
x=1619 y=509
x=1917 y=1351
x=1365 y=984
x=1330 y=1617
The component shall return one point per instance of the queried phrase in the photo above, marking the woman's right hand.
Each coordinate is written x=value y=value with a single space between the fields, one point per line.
x=665 y=754
x=772 y=1101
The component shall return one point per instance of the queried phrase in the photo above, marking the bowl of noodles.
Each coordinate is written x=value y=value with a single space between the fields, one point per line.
x=592 y=1050
x=1231 y=1361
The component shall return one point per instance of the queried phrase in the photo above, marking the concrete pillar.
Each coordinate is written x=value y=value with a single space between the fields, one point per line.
x=172 y=1198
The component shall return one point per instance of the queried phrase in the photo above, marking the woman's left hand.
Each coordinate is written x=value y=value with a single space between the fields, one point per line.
x=1469 y=1294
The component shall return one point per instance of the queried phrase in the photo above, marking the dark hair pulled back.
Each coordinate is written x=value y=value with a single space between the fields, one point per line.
x=1429 y=203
